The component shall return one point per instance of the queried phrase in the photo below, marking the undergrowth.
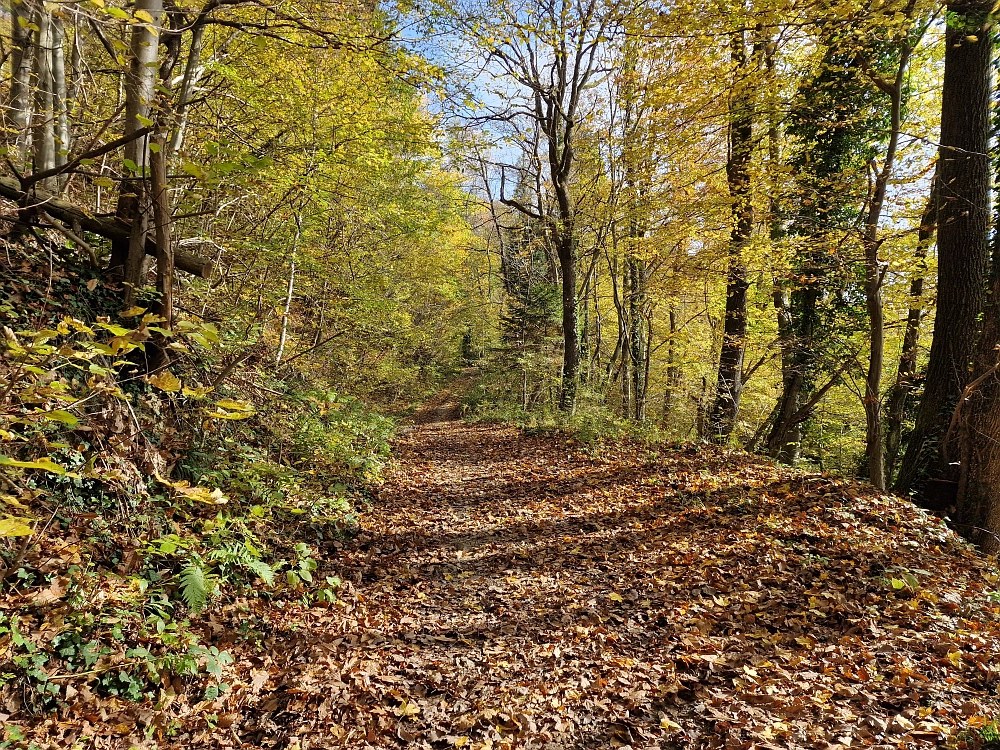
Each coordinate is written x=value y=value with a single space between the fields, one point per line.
x=138 y=498
x=592 y=422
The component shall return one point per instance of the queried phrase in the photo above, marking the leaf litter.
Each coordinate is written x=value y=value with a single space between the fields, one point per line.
x=516 y=591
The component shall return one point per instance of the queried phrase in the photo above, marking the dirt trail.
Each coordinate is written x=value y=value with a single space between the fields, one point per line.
x=512 y=591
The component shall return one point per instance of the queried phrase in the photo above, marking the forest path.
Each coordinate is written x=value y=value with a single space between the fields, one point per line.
x=515 y=591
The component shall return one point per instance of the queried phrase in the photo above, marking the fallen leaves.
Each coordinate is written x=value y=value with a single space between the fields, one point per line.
x=507 y=593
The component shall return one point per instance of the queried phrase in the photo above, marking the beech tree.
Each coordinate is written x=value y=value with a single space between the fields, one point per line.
x=963 y=180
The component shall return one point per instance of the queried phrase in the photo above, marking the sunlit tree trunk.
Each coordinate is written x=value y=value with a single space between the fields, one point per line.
x=193 y=72
x=907 y=369
x=60 y=99
x=140 y=90
x=43 y=129
x=19 y=107
x=874 y=277
x=290 y=292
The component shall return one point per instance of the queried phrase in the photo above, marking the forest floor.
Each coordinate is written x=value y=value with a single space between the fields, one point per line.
x=517 y=590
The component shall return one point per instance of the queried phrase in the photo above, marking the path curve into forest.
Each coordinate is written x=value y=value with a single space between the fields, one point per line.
x=515 y=591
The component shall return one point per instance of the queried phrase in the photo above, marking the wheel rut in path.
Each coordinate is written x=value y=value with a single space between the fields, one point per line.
x=516 y=591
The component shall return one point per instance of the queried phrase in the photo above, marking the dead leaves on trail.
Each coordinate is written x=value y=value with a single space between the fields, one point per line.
x=509 y=591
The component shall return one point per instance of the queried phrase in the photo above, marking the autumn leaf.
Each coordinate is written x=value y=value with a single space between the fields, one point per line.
x=165 y=381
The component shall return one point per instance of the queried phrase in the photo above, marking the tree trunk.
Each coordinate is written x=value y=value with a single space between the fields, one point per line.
x=730 y=381
x=673 y=371
x=19 y=109
x=907 y=370
x=637 y=343
x=140 y=81
x=60 y=100
x=193 y=71
x=140 y=89
x=289 y=295
x=784 y=441
x=43 y=130
x=164 y=248
x=874 y=445
x=137 y=239
x=962 y=236
x=571 y=342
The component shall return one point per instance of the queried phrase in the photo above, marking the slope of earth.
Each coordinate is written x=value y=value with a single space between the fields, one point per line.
x=517 y=591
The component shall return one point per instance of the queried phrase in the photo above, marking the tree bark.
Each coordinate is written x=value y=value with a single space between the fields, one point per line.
x=43 y=128
x=874 y=445
x=162 y=218
x=19 y=108
x=638 y=344
x=193 y=71
x=286 y=312
x=730 y=380
x=962 y=236
x=907 y=369
x=140 y=89
x=60 y=100
x=673 y=370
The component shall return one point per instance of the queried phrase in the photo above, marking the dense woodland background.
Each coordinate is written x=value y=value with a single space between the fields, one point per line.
x=243 y=240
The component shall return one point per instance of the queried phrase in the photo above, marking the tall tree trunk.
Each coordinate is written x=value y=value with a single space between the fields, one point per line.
x=907 y=369
x=193 y=72
x=975 y=425
x=730 y=381
x=635 y=269
x=140 y=90
x=43 y=130
x=60 y=99
x=784 y=441
x=19 y=108
x=673 y=370
x=874 y=445
x=571 y=339
x=962 y=236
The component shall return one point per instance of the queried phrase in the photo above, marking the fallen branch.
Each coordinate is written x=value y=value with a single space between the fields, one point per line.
x=108 y=227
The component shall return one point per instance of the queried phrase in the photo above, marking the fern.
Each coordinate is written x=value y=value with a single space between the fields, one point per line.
x=197 y=585
x=244 y=555
x=264 y=571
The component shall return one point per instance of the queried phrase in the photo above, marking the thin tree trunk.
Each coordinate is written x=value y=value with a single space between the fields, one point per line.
x=907 y=370
x=570 y=307
x=43 y=131
x=164 y=248
x=193 y=72
x=730 y=384
x=962 y=236
x=60 y=99
x=637 y=344
x=874 y=277
x=286 y=312
x=673 y=371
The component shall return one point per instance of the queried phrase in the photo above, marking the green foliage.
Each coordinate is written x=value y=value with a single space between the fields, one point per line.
x=197 y=585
